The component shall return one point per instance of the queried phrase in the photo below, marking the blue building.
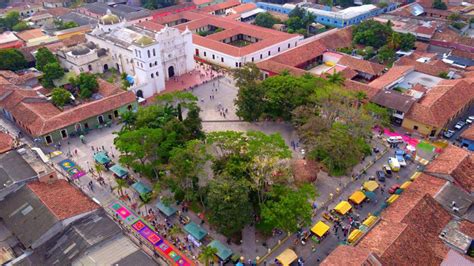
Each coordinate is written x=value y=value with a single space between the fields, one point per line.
x=326 y=16
x=467 y=138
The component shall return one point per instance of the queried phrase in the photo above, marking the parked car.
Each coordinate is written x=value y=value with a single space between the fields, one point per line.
x=380 y=176
x=394 y=164
x=395 y=139
x=471 y=117
x=469 y=121
x=449 y=133
x=371 y=177
x=393 y=188
x=387 y=170
x=459 y=125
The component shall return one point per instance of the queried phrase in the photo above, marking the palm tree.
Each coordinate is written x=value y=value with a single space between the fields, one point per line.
x=99 y=168
x=336 y=78
x=394 y=40
x=360 y=96
x=207 y=254
x=175 y=230
x=121 y=184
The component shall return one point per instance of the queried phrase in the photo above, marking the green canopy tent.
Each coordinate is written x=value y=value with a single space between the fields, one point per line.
x=223 y=252
x=166 y=209
x=195 y=231
x=371 y=195
x=102 y=158
x=119 y=171
x=141 y=188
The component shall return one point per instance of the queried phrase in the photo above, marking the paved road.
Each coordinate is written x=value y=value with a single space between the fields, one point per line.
x=332 y=240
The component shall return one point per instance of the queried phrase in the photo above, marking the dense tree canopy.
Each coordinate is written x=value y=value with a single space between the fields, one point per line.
x=86 y=84
x=439 y=4
x=60 y=96
x=12 y=59
x=266 y=20
x=371 y=33
x=43 y=57
x=156 y=4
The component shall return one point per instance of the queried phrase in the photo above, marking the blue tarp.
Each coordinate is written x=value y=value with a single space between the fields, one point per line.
x=130 y=79
x=141 y=188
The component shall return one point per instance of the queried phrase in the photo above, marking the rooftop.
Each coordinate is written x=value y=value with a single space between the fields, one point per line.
x=393 y=100
x=347 y=255
x=348 y=13
x=393 y=75
x=468 y=133
x=123 y=11
x=6 y=142
x=30 y=34
x=13 y=168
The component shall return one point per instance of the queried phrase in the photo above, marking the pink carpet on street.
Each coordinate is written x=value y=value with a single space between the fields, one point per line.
x=407 y=139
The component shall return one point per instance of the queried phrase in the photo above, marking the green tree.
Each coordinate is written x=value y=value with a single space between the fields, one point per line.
x=63 y=25
x=156 y=4
x=439 y=4
x=229 y=205
x=9 y=20
x=86 y=83
x=51 y=71
x=381 y=114
x=407 y=41
x=20 y=26
x=99 y=168
x=386 y=54
x=12 y=59
x=297 y=12
x=289 y=210
x=336 y=78
x=125 y=83
x=207 y=254
x=266 y=20
x=121 y=184
x=443 y=75
x=371 y=33
x=394 y=40
x=60 y=97
x=43 y=57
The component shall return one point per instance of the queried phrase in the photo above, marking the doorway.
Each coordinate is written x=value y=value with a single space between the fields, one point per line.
x=100 y=119
x=170 y=72
x=140 y=94
x=106 y=67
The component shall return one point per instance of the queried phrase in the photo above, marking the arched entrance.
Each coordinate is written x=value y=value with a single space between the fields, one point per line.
x=140 y=93
x=106 y=67
x=170 y=71
x=118 y=67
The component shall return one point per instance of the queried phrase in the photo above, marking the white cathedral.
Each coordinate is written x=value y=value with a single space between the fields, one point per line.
x=150 y=57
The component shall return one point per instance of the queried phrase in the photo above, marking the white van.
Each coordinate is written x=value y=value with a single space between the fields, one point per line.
x=395 y=139
x=394 y=164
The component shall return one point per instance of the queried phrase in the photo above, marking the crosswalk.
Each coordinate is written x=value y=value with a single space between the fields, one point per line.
x=421 y=160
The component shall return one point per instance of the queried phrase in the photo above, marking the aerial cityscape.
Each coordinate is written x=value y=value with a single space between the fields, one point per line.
x=236 y=132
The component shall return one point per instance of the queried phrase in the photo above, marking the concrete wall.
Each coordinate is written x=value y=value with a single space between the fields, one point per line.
x=422 y=128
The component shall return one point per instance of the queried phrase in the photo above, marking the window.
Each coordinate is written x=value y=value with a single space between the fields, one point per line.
x=86 y=125
x=157 y=73
x=213 y=57
x=116 y=114
x=152 y=76
x=269 y=53
x=261 y=56
x=236 y=64
x=289 y=45
x=278 y=49
x=64 y=133
x=154 y=54
x=49 y=140
x=253 y=59
x=240 y=64
x=415 y=127
x=148 y=52
x=222 y=59
x=156 y=63
x=205 y=54
x=151 y=64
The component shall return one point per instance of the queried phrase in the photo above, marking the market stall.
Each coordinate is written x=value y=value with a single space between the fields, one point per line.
x=405 y=185
x=165 y=209
x=370 y=221
x=223 y=252
x=370 y=185
x=195 y=233
x=287 y=257
x=143 y=190
x=392 y=198
x=354 y=235
x=357 y=197
x=370 y=195
x=320 y=229
x=103 y=159
x=119 y=171
x=415 y=176
x=343 y=207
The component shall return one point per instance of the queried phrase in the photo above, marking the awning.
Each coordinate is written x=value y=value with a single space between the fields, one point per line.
x=392 y=198
x=320 y=229
x=398 y=191
x=165 y=209
x=195 y=231
x=119 y=170
x=252 y=13
x=370 y=221
x=405 y=185
x=223 y=252
x=354 y=235
x=287 y=257
x=141 y=188
x=343 y=207
x=371 y=195
x=357 y=197
x=101 y=158
x=371 y=185
x=415 y=176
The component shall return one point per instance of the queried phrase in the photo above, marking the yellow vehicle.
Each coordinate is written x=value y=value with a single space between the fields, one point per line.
x=394 y=164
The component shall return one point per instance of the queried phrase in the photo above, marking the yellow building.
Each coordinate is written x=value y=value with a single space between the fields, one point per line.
x=68 y=33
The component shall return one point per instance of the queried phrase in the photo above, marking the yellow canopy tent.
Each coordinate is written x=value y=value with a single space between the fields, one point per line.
x=415 y=176
x=320 y=229
x=354 y=235
x=371 y=185
x=287 y=257
x=357 y=197
x=405 y=185
x=369 y=221
x=343 y=207
x=392 y=198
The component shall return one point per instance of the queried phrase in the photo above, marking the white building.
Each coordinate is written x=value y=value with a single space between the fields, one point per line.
x=150 y=57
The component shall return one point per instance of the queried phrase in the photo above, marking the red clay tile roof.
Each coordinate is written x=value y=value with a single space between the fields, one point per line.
x=30 y=34
x=464 y=173
x=6 y=142
x=62 y=199
x=300 y=54
x=425 y=30
x=277 y=68
x=421 y=46
x=442 y=103
x=244 y=8
x=391 y=76
x=40 y=117
x=361 y=65
x=201 y=2
x=467 y=228
x=433 y=68
x=220 y=6
x=468 y=133
x=347 y=256
x=358 y=86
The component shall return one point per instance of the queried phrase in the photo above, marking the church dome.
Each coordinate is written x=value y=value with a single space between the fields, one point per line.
x=144 y=41
x=80 y=50
x=109 y=19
